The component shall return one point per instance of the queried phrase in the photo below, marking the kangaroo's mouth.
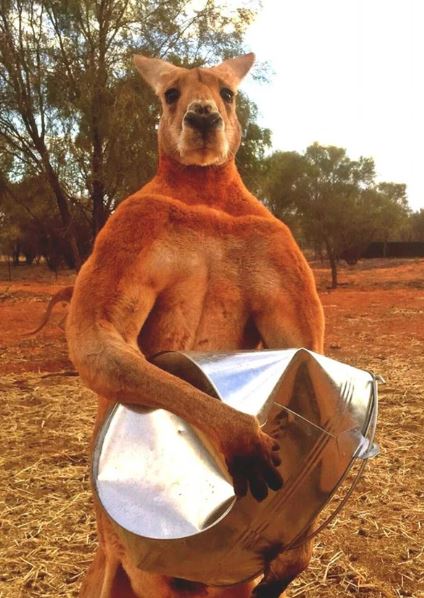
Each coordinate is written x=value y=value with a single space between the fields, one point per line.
x=202 y=157
x=203 y=149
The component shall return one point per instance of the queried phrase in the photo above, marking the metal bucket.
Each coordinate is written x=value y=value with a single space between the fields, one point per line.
x=170 y=497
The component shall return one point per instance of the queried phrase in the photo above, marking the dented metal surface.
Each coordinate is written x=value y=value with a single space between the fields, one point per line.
x=170 y=496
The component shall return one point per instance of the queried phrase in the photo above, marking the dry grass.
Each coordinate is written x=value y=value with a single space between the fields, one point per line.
x=47 y=524
x=374 y=549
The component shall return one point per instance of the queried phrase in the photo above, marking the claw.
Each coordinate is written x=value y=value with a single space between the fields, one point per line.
x=258 y=489
x=240 y=485
x=253 y=465
x=274 y=479
x=276 y=460
x=268 y=590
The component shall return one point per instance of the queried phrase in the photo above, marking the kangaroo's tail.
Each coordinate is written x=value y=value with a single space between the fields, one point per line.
x=62 y=296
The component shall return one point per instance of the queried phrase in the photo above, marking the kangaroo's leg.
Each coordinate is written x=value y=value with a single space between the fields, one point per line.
x=121 y=587
x=106 y=578
x=93 y=579
x=282 y=571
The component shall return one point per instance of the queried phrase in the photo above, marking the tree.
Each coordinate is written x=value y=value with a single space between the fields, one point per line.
x=416 y=224
x=29 y=223
x=282 y=187
x=25 y=119
x=394 y=212
x=71 y=106
x=255 y=142
x=335 y=200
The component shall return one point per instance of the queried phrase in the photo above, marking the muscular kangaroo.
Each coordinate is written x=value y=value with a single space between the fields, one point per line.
x=192 y=261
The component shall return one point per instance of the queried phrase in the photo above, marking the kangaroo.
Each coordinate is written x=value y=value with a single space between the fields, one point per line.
x=192 y=261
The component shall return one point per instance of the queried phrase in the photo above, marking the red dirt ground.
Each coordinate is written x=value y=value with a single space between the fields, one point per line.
x=375 y=320
x=379 y=302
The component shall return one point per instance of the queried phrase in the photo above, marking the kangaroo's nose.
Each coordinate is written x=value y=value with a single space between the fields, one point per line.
x=202 y=116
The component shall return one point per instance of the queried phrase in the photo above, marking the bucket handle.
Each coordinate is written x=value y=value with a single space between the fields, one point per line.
x=371 y=451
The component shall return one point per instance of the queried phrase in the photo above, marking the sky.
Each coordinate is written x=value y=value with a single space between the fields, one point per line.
x=348 y=73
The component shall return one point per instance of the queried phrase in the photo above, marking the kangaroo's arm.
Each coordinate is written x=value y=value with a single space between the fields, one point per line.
x=114 y=293
x=290 y=322
x=289 y=313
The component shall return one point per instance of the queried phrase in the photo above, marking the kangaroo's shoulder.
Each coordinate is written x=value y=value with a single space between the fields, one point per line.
x=150 y=210
x=146 y=217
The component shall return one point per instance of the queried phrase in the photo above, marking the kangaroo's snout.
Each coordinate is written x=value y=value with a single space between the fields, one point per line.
x=203 y=116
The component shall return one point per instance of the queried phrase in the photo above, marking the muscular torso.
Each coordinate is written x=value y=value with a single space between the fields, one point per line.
x=167 y=276
x=208 y=303
x=202 y=278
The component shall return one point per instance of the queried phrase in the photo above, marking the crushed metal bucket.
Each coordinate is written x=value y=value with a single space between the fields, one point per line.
x=170 y=496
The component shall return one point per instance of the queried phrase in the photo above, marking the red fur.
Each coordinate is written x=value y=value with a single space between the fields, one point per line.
x=191 y=261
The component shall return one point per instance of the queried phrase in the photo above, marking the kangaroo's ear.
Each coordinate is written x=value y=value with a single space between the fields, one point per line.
x=155 y=71
x=235 y=68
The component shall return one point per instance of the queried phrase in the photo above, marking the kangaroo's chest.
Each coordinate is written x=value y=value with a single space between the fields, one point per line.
x=207 y=304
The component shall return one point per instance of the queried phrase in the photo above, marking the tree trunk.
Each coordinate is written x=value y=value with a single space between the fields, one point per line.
x=97 y=133
x=333 y=265
x=62 y=203
x=16 y=252
x=99 y=212
x=332 y=258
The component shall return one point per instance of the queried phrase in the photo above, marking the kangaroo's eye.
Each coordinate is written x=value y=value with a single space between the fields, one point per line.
x=227 y=95
x=172 y=95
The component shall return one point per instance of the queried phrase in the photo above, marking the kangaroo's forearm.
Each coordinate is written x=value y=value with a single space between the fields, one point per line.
x=119 y=372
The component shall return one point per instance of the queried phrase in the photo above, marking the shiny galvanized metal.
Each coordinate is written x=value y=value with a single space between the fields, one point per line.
x=169 y=495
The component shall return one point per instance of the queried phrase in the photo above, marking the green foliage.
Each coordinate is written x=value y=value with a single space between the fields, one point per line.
x=30 y=225
x=72 y=108
x=334 y=200
x=255 y=142
x=416 y=228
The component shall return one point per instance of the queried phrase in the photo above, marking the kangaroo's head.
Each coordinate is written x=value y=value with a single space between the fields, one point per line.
x=199 y=124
